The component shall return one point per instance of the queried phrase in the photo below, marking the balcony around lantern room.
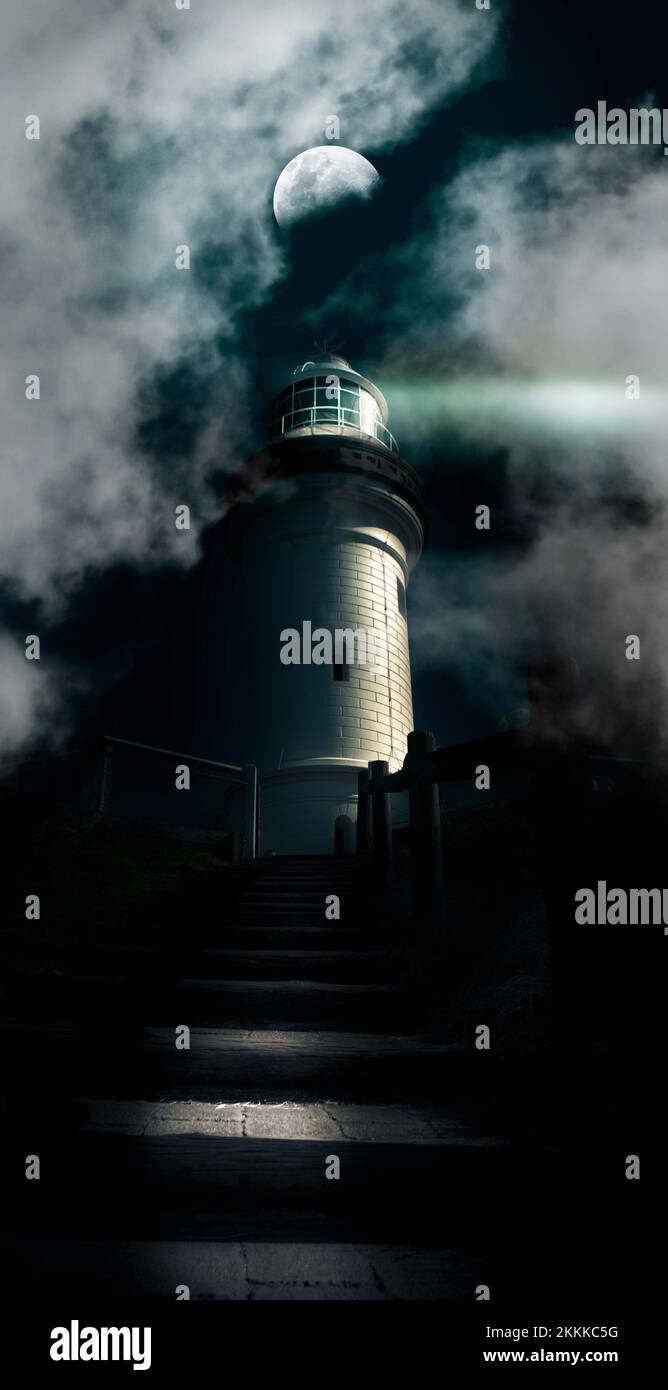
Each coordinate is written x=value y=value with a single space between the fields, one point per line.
x=314 y=407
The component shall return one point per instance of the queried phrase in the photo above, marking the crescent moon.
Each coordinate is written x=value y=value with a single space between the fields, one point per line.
x=320 y=179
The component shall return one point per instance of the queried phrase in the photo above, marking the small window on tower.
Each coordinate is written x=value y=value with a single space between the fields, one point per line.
x=341 y=671
x=401 y=597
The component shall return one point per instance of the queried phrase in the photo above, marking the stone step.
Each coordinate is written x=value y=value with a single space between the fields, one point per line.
x=260 y=1269
x=319 y=874
x=302 y=916
x=338 y=966
x=147 y=1158
x=336 y=868
x=307 y=859
x=207 y=922
x=289 y=888
x=106 y=1181
x=285 y=1064
x=413 y=1125
x=248 y=879
x=296 y=1060
x=303 y=938
x=298 y=894
x=301 y=883
x=265 y=1001
x=140 y=1187
x=275 y=865
x=315 y=904
x=126 y=1001
x=340 y=867
x=322 y=876
x=179 y=910
x=288 y=905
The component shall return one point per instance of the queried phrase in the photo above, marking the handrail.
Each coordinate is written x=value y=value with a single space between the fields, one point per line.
x=321 y=417
x=453 y=762
x=510 y=752
x=169 y=753
x=86 y=749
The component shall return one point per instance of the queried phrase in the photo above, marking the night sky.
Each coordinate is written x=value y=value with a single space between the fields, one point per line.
x=147 y=649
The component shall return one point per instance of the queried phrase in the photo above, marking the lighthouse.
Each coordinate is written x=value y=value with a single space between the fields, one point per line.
x=326 y=524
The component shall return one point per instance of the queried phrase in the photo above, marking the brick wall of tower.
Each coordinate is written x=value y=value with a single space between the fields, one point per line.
x=373 y=710
x=297 y=713
x=328 y=542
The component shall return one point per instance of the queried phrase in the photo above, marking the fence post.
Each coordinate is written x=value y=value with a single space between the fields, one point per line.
x=250 y=813
x=425 y=834
x=381 y=824
x=363 y=843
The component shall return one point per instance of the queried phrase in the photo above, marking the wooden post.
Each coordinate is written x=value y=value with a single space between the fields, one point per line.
x=381 y=824
x=425 y=834
x=363 y=844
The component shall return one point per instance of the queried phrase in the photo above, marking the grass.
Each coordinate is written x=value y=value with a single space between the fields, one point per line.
x=93 y=877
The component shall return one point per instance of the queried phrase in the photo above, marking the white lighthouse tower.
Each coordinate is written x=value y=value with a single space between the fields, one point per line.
x=327 y=523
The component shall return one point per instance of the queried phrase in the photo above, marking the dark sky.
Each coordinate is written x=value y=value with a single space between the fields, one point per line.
x=150 y=650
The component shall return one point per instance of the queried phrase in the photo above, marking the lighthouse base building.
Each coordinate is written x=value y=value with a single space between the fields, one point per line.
x=326 y=523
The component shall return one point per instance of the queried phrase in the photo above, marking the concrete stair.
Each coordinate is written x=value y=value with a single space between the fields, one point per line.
x=244 y=970
x=208 y=1165
x=229 y=1062
x=336 y=966
x=314 y=937
x=308 y=1267
x=284 y=1003
x=299 y=1064
x=300 y=1049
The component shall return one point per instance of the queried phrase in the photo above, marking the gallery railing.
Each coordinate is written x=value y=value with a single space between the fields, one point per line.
x=330 y=420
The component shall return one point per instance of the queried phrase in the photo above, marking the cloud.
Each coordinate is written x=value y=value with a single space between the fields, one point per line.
x=585 y=582
x=577 y=292
x=532 y=358
x=161 y=127
x=29 y=698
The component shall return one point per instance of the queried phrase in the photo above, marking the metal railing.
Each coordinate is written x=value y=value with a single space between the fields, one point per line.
x=89 y=778
x=330 y=420
x=119 y=748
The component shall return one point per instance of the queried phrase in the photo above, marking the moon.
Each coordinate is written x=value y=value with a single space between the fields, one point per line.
x=319 y=179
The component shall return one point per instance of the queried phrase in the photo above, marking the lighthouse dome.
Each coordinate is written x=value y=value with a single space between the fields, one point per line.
x=325 y=395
